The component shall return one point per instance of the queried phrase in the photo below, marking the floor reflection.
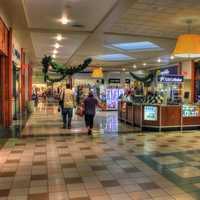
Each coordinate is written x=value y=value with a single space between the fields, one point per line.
x=46 y=120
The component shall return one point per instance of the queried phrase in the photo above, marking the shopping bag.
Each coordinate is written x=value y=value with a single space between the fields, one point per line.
x=80 y=111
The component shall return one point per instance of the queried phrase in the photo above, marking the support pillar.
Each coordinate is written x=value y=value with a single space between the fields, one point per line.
x=9 y=82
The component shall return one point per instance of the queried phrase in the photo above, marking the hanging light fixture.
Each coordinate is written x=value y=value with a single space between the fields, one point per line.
x=188 y=45
x=97 y=73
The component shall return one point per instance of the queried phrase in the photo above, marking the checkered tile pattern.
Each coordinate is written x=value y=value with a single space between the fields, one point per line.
x=102 y=167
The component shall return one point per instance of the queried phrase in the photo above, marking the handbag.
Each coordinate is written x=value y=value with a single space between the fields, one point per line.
x=80 y=111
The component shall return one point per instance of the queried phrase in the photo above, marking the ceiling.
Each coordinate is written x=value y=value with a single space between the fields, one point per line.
x=106 y=22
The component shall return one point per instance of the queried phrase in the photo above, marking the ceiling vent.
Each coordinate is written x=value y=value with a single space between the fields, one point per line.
x=78 y=26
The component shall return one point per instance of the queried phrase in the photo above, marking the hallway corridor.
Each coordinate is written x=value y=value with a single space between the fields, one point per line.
x=103 y=167
x=47 y=121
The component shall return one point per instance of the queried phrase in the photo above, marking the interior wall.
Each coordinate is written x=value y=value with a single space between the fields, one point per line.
x=4 y=17
x=187 y=87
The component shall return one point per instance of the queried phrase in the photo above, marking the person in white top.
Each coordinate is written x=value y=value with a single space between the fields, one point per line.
x=67 y=98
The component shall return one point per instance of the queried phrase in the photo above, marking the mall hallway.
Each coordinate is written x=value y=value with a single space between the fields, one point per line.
x=103 y=167
x=47 y=121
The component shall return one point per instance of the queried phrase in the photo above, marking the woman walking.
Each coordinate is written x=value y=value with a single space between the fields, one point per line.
x=90 y=104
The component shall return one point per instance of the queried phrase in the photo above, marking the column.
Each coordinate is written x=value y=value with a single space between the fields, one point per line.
x=9 y=81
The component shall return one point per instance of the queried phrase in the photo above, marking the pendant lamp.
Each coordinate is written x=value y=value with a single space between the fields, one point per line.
x=97 y=73
x=188 y=45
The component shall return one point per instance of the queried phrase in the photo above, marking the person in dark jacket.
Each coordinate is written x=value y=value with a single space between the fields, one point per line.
x=90 y=104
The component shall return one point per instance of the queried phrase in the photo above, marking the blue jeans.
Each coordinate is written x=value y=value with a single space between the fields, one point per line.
x=67 y=114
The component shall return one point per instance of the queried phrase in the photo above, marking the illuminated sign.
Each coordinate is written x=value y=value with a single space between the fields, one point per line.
x=150 y=113
x=170 y=78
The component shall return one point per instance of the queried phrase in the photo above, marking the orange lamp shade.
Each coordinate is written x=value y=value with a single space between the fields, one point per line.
x=97 y=73
x=187 y=46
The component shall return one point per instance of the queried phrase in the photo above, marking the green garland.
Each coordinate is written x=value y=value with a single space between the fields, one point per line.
x=60 y=70
x=146 y=80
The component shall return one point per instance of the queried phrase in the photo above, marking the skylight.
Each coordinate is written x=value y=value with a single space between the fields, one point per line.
x=136 y=46
x=113 y=57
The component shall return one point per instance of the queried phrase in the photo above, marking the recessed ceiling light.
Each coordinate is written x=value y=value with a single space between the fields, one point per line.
x=57 y=45
x=64 y=20
x=55 y=51
x=134 y=66
x=159 y=60
x=54 y=56
x=172 y=57
x=144 y=64
x=59 y=37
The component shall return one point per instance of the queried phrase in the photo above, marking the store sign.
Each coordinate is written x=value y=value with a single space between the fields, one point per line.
x=114 y=80
x=127 y=81
x=170 y=78
x=169 y=71
x=190 y=111
x=150 y=113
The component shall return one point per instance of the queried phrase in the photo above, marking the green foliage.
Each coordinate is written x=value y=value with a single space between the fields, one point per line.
x=51 y=66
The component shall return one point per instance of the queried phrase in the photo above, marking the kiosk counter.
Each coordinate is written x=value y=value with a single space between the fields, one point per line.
x=159 y=116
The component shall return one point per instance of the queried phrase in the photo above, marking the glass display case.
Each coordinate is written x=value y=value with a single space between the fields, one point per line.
x=190 y=111
x=112 y=97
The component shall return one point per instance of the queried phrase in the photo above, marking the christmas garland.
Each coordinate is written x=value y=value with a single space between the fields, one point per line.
x=60 y=70
x=147 y=80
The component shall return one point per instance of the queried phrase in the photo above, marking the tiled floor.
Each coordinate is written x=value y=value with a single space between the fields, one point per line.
x=131 y=166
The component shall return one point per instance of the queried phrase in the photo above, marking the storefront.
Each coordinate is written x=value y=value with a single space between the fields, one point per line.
x=5 y=75
x=168 y=107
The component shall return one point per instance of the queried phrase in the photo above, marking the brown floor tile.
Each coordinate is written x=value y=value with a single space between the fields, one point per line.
x=109 y=183
x=20 y=144
x=39 y=177
x=16 y=151
x=65 y=154
x=40 y=145
x=108 y=149
x=4 y=193
x=62 y=147
x=117 y=158
x=148 y=186
x=69 y=165
x=131 y=170
x=12 y=161
x=43 y=196
x=39 y=153
x=7 y=174
x=73 y=180
x=98 y=167
x=39 y=162
x=91 y=157
x=85 y=148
